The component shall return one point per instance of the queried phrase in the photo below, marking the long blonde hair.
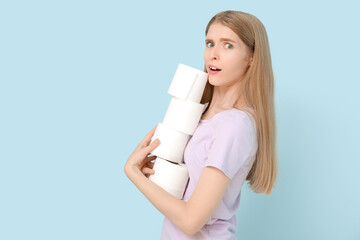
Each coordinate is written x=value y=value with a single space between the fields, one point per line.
x=258 y=93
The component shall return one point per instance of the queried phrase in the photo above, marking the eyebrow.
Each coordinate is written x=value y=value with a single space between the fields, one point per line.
x=222 y=40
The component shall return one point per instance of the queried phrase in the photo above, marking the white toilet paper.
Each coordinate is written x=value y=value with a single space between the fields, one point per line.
x=188 y=83
x=172 y=143
x=183 y=116
x=172 y=177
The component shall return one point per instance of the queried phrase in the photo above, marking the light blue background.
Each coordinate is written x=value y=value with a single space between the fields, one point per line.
x=82 y=82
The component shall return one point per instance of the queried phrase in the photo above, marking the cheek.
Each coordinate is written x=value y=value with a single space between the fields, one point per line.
x=241 y=63
x=237 y=68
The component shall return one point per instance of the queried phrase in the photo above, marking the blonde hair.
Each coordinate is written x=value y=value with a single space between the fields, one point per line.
x=258 y=93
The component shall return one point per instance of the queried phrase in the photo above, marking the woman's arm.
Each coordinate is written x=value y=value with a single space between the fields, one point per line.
x=189 y=216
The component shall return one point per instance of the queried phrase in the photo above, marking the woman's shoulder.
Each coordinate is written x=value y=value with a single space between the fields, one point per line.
x=234 y=126
x=232 y=121
x=231 y=116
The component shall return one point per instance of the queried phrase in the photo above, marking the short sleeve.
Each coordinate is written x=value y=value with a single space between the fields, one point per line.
x=232 y=145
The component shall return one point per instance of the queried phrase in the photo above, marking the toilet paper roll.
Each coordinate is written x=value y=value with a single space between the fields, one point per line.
x=183 y=116
x=188 y=83
x=172 y=177
x=172 y=143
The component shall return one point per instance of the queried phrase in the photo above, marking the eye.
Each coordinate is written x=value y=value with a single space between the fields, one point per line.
x=228 y=46
x=209 y=44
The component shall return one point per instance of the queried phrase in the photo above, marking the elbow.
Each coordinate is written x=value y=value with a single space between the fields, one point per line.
x=191 y=227
x=191 y=221
x=189 y=230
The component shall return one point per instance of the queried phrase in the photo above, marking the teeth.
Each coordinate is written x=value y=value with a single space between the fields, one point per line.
x=212 y=68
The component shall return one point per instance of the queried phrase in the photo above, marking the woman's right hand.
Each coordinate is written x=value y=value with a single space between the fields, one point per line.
x=147 y=169
x=140 y=159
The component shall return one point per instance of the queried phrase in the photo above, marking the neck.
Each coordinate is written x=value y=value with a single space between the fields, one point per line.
x=226 y=97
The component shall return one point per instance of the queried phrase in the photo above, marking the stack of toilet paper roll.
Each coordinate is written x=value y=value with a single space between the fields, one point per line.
x=180 y=121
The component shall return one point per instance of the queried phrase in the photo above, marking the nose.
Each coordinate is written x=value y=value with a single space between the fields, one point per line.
x=214 y=54
x=214 y=57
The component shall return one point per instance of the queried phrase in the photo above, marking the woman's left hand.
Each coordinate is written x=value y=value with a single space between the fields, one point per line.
x=140 y=158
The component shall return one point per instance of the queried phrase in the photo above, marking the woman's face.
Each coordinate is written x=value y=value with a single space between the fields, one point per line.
x=226 y=52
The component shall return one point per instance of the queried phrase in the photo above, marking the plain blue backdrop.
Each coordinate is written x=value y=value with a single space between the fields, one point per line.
x=82 y=82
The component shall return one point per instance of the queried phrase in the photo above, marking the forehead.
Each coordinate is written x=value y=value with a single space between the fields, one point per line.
x=218 y=30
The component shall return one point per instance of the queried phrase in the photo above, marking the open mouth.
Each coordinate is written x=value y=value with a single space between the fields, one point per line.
x=214 y=69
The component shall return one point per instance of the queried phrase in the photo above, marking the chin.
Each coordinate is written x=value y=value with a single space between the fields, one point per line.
x=214 y=82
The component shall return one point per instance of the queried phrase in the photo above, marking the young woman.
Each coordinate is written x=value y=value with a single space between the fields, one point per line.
x=235 y=140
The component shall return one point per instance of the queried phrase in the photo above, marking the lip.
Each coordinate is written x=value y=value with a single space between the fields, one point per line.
x=211 y=71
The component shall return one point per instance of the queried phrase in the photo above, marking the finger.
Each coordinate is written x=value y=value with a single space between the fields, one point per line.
x=145 y=142
x=146 y=170
x=152 y=146
x=148 y=159
x=151 y=158
x=150 y=165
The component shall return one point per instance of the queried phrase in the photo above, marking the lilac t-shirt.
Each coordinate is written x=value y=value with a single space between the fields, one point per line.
x=227 y=141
